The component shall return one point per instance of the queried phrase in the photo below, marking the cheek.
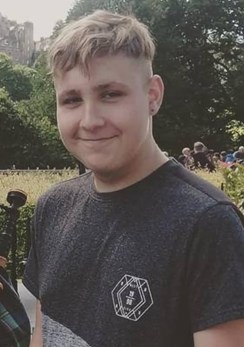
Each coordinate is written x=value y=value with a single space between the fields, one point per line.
x=66 y=125
x=140 y=118
x=134 y=114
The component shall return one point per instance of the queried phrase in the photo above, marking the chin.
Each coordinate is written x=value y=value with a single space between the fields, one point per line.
x=99 y=163
x=103 y=170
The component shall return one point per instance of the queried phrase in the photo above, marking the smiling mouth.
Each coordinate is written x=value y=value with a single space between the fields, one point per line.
x=99 y=139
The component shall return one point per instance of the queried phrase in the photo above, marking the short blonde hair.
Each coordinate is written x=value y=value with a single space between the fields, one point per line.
x=99 y=34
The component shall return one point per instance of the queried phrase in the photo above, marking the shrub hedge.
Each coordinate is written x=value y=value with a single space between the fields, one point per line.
x=234 y=185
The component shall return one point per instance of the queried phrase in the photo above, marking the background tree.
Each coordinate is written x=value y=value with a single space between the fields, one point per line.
x=236 y=130
x=28 y=131
x=17 y=142
x=39 y=114
x=199 y=56
x=57 y=28
x=16 y=79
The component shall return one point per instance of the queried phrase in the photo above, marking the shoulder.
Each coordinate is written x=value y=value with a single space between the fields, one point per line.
x=223 y=222
x=192 y=189
x=193 y=197
x=64 y=192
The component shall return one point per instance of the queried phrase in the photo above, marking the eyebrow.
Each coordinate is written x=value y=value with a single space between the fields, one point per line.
x=67 y=93
x=98 y=88
x=107 y=85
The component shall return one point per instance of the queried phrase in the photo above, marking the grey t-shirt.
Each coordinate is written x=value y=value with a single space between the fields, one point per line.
x=148 y=265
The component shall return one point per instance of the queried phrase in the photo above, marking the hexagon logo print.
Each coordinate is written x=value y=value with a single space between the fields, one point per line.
x=132 y=297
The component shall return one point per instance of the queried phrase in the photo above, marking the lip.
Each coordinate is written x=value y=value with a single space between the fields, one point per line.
x=98 y=139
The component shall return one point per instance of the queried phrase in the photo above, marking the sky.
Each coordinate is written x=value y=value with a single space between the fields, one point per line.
x=42 y=13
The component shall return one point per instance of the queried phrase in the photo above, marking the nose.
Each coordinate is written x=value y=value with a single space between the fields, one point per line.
x=91 y=117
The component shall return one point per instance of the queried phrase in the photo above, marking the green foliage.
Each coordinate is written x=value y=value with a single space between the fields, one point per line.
x=194 y=62
x=234 y=185
x=23 y=230
x=23 y=237
x=200 y=57
x=28 y=131
x=15 y=137
x=48 y=149
x=16 y=79
x=39 y=114
x=18 y=141
x=236 y=130
x=42 y=98
x=42 y=107
x=84 y=7
x=57 y=28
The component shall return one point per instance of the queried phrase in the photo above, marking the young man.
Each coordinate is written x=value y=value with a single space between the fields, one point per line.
x=138 y=251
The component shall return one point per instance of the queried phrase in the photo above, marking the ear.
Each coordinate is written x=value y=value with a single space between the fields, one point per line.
x=155 y=94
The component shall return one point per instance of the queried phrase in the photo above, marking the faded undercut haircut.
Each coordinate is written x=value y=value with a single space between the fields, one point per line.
x=96 y=35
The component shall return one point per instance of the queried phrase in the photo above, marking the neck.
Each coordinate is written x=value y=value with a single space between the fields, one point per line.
x=144 y=167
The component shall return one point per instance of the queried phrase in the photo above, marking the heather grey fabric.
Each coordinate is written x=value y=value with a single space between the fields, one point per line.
x=56 y=335
x=145 y=266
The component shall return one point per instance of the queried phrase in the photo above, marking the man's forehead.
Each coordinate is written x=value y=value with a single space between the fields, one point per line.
x=118 y=69
x=74 y=81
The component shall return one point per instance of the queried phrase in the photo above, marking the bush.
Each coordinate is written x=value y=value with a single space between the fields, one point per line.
x=34 y=183
x=23 y=236
x=234 y=184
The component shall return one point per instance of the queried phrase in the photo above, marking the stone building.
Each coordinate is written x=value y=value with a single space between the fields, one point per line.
x=16 y=40
x=43 y=44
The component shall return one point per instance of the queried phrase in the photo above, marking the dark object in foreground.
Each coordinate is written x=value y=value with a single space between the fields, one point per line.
x=14 y=322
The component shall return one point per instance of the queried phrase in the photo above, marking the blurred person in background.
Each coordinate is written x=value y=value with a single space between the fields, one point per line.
x=239 y=155
x=201 y=160
x=188 y=158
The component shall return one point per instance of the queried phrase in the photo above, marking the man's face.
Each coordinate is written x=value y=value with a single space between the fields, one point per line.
x=103 y=117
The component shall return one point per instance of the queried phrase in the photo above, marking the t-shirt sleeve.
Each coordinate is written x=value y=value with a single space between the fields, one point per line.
x=30 y=279
x=215 y=271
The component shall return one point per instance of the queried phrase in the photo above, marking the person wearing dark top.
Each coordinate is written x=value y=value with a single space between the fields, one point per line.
x=223 y=155
x=138 y=251
x=201 y=160
x=239 y=155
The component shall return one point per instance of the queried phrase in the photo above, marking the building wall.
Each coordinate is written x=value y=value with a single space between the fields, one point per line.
x=16 y=40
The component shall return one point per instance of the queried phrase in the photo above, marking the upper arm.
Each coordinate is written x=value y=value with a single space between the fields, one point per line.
x=215 y=269
x=36 y=340
x=230 y=334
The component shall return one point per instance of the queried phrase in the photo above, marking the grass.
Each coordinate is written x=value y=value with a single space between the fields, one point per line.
x=216 y=178
x=35 y=183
